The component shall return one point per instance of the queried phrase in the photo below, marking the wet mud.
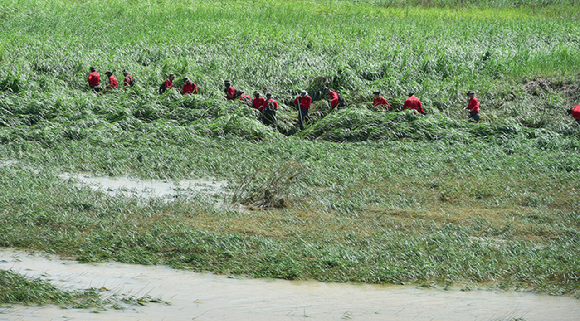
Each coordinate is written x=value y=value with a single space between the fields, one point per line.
x=201 y=296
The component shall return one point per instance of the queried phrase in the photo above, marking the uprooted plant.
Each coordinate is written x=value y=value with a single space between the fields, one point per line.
x=268 y=187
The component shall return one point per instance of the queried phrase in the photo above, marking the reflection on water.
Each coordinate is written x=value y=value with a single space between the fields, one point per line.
x=197 y=296
x=147 y=188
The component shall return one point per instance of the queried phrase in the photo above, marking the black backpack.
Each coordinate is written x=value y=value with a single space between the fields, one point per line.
x=132 y=81
x=341 y=101
x=162 y=88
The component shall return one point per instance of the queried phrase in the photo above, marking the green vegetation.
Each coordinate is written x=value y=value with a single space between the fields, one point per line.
x=15 y=288
x=363 y=196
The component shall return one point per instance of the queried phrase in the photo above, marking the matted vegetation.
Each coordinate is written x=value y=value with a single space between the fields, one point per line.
x=359 y=195
x=18 y=289
x=15 y=288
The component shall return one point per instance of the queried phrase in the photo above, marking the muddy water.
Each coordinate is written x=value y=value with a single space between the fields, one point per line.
x=197 y=296
x=148 y=188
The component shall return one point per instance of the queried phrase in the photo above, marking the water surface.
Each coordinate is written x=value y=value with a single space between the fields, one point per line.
x=204 y=296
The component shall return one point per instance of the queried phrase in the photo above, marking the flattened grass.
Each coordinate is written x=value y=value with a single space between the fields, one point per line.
x=15 y=288
x=371 y=212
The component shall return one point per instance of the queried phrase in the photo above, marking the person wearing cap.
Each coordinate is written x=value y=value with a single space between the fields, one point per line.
x=258 y=101
x=380 y=101
x=333 y=98
x=94 y=80
x=169 y=82
x=129 y=81
x=413 y=103
x=472 y=106
x=112 y=81
x=189 y=87
x=269 y=110
x=575 y=112
x=303 y=102
x=229 y=90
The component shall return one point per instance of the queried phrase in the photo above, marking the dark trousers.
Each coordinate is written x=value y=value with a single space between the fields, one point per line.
x=474 y=116
x=303 y=117
x=270 y=118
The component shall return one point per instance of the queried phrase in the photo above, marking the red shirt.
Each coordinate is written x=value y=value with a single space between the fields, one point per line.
x=333 y=100
x=576 y=112
x=274 y=103
x=112 y=82
x=244 y=97
x=94 y=78
x=304 y=102
x=168 y=83
x=127 y=80
x=473 y=105
x=190 y=88
x=381 y=101
x=230 y=92
x=258 y=103
x=413 y=103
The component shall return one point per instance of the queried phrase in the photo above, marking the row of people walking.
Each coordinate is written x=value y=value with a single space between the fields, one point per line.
x=335 y=101
x=268 y=106
x=94 y=80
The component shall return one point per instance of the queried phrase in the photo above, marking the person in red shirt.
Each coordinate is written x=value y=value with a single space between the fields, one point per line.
x=333 y=98
x=380 y=101
x=245 y=99
x=269 y=111
x=258 y=101
x=129 y=81
x=94 y=80
x=229 y=90
x=472 y=106
x=575 y=112
x=189 y=87
x=413 y=103
x=303 y=102
x=169 y=82
x=112 y=82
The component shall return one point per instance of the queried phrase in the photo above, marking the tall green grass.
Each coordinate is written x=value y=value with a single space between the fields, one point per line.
x=279 y=46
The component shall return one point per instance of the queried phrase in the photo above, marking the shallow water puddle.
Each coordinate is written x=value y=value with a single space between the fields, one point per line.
x=200 y=296
x=147 y=188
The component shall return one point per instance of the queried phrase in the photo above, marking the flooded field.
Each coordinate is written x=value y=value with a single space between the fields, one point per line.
x=139 y=188
x=133 y=187
x=200 y=296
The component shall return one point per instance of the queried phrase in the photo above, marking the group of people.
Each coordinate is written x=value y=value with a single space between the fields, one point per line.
x=415 y=104
x=268 y=106
x=95 y=80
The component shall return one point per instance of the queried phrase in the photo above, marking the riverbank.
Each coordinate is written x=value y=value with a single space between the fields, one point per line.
x=184 y=294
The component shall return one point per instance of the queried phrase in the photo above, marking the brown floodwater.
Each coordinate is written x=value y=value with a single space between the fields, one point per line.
x=205 y=296
x=127 y=186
